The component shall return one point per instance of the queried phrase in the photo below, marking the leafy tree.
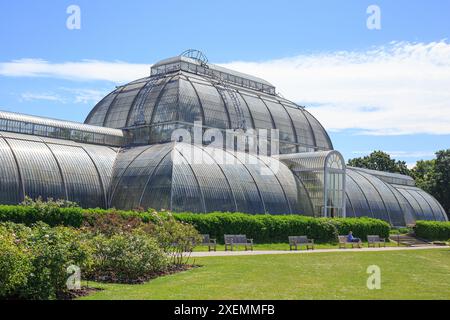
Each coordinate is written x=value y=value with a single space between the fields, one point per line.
x=379 y=160
x=442 y=173
x=434 y=177
x=425 y=175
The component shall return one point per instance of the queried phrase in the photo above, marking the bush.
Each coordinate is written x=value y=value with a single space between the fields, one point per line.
x=44 y=253
x=262 y=228
x=15 y=264
x=53 y=216
x=110 y=246
x=175 y=237
x=433 y=230
x=53 y=251
x=277 y=228
x=127 y=257
x=56 y=215
x=362 y=227
x=111 y=223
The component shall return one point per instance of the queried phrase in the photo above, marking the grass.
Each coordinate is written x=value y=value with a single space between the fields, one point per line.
x=421 y=274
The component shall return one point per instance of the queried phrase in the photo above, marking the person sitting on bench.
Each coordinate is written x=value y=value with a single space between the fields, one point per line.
x=351 y=238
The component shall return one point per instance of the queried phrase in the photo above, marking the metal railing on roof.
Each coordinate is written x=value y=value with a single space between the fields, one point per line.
x=67 y=130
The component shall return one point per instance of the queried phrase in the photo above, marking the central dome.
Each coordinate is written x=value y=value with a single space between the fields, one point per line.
x=182 y=90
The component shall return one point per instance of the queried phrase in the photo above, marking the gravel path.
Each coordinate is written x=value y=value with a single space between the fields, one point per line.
x=254 y=253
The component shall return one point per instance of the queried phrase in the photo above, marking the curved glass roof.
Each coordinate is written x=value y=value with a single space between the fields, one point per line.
x=37 y=166
x=165 y=176
x=204 y=68
x=6 y=115
x=183 y=97
x=400 y=205
x=67 y=130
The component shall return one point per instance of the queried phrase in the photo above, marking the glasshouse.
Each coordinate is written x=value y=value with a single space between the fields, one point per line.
x=197 y=137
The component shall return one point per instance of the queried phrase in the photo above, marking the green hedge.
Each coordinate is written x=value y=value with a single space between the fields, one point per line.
x=433 y=230
x=277 y=228
x=71 y=217
x=55 y=216
x=362 y=227
x=262 y=228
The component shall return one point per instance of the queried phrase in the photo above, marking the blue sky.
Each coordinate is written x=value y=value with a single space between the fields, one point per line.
x=318 y=53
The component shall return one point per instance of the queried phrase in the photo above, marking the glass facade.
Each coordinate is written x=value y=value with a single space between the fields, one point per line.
x=323 y=175
x=369 y=194
x=52 y=168
x=220 y=181
x=124 y=156
x=19 y=123
x=182 y=97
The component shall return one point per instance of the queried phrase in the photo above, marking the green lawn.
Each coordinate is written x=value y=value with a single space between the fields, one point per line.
x=422 y=274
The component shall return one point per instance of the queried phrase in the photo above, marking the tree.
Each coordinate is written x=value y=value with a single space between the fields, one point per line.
x=433 y=176
x=424 y=175
x=442 y=173
x=381 y=161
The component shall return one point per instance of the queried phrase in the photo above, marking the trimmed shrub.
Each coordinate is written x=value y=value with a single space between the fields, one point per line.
x=59 y=216
x=433 y=230
x=362 y=227
x=52 y=216
x=277 y=228
x=262 y=228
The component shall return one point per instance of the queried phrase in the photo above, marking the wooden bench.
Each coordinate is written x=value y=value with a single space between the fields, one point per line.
x=375 y=240
x=210 y=243
x=343 y=243
x=232 y=241
x=299 y=241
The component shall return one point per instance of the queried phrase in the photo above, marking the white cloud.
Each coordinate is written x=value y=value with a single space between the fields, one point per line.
x=30 y=96
x=67 y=95
x=402 y=88
x=86 y=96
x=398 y=89
x=116 y=72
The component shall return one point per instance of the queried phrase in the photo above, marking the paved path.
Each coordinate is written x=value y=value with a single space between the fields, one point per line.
x=254 y=253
